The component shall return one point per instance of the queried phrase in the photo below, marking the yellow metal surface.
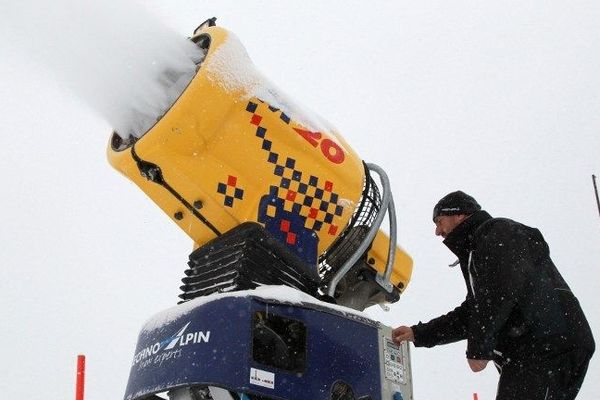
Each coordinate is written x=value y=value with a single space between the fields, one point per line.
x=403 y=263
x=209 y=138
x=231 y=149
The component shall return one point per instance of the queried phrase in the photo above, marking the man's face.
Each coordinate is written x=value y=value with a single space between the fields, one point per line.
x=444 y=224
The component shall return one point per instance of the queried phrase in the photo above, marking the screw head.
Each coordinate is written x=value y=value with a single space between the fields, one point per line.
x=198 y=204
x=178 y=215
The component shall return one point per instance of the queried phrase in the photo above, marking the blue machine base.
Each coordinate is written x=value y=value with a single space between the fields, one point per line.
x=249 y=344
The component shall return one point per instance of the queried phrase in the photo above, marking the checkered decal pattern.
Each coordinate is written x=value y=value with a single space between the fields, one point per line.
x=230 y=191
x=300 y=201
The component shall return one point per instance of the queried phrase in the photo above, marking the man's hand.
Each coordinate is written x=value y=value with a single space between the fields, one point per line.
x=477 y=365
x=403 y=333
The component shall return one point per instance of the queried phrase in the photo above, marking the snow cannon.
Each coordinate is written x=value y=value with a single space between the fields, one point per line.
x=251 y=176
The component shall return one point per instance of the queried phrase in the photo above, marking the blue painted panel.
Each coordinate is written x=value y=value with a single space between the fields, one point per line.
x=213 y=348
x=211 y=345
x=339 y=348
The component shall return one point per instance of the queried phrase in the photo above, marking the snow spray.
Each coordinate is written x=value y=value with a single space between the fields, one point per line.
x=114 y=55
x=80 y=381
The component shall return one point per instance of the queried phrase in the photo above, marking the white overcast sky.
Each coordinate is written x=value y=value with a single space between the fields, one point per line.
x=500 y=99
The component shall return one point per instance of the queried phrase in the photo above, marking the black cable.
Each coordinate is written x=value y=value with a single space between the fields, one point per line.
x=153 y=173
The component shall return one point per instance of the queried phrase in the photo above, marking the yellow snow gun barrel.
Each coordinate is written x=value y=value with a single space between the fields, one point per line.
x=233 y=148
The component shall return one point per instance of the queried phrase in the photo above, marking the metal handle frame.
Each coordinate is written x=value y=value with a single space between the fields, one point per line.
x=387 y=207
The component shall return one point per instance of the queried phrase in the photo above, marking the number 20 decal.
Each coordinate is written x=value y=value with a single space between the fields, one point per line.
x=330 y=149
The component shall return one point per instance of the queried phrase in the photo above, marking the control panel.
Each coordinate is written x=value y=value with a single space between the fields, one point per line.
x=396 y=378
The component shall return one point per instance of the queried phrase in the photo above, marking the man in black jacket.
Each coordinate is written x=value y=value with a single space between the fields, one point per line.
x=518 y=312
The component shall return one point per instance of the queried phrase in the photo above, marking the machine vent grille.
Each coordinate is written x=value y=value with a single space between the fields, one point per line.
x=350 y=239
x=243 y=258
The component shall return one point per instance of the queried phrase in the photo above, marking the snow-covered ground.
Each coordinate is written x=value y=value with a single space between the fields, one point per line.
x=499 y=99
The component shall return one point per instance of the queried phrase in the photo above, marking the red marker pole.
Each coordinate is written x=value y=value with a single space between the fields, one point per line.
x=80 y=383
x=475 y=397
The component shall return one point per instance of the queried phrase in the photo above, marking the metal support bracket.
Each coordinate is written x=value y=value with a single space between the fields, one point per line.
x=387 y=207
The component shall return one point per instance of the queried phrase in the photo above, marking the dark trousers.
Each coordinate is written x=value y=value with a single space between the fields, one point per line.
x=556 y=378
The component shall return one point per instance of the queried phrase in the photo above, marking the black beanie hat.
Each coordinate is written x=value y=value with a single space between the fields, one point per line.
x=456 y=203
